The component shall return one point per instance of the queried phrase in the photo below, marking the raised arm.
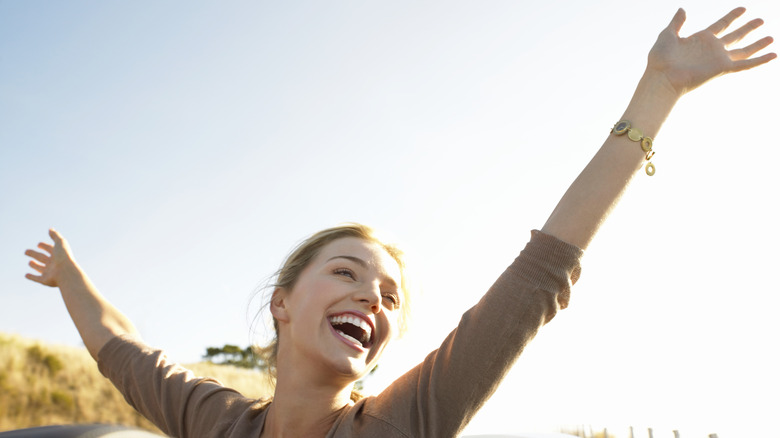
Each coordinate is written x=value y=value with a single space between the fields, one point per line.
x=675 y=66
x=96 y=319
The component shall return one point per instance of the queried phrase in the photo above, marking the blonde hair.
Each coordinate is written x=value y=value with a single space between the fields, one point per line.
x=304 y=253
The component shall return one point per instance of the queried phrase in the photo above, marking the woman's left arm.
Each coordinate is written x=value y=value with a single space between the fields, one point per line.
x=675 y=66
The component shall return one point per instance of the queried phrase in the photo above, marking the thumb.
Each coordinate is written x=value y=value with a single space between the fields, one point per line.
x=677 y=21
x=55 y=236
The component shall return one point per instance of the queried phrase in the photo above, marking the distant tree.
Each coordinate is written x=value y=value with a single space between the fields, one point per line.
x=246 y=358
x=235 y=356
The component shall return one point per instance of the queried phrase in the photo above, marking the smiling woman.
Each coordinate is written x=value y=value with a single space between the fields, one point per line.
x=350 y=257
x=342 y=296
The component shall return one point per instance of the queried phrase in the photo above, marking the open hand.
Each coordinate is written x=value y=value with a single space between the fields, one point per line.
x=53 y=263
x=689 y=62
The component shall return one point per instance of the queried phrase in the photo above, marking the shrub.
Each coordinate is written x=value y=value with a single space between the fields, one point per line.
x=53 y=364
x=62 y=399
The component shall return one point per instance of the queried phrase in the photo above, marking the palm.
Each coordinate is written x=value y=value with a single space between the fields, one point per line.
x=689 y=62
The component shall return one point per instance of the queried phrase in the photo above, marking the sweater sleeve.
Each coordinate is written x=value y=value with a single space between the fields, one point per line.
x=441 y=395
x=169 y=395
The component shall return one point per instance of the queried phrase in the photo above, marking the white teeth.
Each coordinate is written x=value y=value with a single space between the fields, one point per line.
x=348 y=337
x=351 y=319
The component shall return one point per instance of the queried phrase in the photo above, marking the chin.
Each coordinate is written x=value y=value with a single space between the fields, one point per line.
x=357 y=367
x=353 y=368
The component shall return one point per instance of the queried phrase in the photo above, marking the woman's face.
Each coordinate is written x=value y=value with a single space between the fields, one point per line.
x=342 y=311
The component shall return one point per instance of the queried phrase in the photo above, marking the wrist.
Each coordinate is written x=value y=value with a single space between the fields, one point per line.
x=70 y=275
x=652 y=102
x=658 y=83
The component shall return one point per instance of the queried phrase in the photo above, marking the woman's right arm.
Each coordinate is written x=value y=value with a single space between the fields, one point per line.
x=96 y=319
x=170 y=396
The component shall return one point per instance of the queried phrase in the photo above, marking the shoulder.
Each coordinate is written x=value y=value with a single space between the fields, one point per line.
x=368 y=417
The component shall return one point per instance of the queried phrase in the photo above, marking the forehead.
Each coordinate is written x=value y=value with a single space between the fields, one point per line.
x=372 y=253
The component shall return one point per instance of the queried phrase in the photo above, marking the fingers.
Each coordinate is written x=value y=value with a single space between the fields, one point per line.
x=721 y=25
x=37 y=266
x=748 y=51
x=35 y=278
x=43 y=258
x=742 y=57
x=740 y=33
x=747 y=64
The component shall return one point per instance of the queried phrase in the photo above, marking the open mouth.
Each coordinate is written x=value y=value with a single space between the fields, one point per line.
x=353 y=328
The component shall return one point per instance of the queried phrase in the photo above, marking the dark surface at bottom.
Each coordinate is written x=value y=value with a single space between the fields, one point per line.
x=79 y=431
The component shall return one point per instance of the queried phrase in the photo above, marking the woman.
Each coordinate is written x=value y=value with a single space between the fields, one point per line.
x=341 y=296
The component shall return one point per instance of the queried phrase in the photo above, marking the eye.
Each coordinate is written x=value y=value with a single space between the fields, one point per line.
x=346 y=272
x=392 y=300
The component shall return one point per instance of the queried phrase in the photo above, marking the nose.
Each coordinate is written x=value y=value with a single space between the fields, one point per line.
x=371 y=297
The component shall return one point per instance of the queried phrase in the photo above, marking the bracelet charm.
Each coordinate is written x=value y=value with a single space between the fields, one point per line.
x=634 y=134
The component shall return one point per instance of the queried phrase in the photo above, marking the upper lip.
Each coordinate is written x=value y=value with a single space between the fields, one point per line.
x=360 y=315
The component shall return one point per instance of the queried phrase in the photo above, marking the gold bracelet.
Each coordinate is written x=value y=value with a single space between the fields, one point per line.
x=623 y=127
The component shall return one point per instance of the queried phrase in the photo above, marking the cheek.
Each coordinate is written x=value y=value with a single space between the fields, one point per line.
x=310 y=292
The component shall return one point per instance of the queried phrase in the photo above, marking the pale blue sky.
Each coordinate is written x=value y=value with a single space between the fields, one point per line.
x=184 y=147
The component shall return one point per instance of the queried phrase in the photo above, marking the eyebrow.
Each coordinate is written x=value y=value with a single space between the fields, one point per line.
x=357 y=260
x=364 y=264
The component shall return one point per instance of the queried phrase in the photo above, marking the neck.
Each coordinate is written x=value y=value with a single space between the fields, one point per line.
x=301 y=408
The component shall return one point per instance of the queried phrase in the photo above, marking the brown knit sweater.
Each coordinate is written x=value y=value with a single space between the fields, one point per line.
x=437 y=398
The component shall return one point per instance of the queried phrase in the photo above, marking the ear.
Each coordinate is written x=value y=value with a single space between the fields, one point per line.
x=278 y=305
